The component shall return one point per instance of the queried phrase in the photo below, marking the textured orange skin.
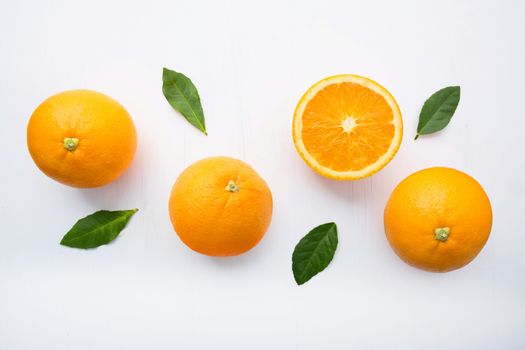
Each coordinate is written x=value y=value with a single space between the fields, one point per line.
x=106 y=133
x=213 y=221
x=436 y=198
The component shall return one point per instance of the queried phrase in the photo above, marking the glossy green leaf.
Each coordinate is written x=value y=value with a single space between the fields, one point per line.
x=438 y=110
x=184 y=97
x=97 y=229
x=314 y=252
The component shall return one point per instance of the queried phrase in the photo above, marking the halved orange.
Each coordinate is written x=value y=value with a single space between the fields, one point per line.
x=347 y=127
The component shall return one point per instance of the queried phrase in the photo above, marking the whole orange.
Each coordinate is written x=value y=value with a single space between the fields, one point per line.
x=220 y=206
x=81 y=138
x=438 y=219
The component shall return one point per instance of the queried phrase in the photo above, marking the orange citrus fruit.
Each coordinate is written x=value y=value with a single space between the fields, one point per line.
x=347 y=127
x=438 y=219
x=220 y=206
x=81 y=138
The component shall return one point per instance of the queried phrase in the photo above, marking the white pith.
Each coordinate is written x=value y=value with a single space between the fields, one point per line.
x=348 y=124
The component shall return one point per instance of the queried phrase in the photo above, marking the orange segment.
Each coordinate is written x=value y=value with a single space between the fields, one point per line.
x=347 y=127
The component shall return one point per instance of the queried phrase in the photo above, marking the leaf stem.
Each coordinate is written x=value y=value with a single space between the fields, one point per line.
x=441 y=233
x=232 y=187
x=70 y=143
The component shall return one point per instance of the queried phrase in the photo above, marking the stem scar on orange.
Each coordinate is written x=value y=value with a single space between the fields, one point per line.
x=81 y=138
x=347 y=127
x=220 y=206
x=438 y=219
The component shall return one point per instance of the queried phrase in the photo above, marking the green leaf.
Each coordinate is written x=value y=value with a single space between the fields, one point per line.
x=438 y=110
x=184 y=97
x=97 y=229
x=314 y=252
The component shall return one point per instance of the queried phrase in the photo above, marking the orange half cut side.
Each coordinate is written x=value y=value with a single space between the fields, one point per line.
x=347 y=127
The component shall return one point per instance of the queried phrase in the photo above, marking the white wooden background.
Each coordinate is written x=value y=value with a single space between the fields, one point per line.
x=251 y=62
